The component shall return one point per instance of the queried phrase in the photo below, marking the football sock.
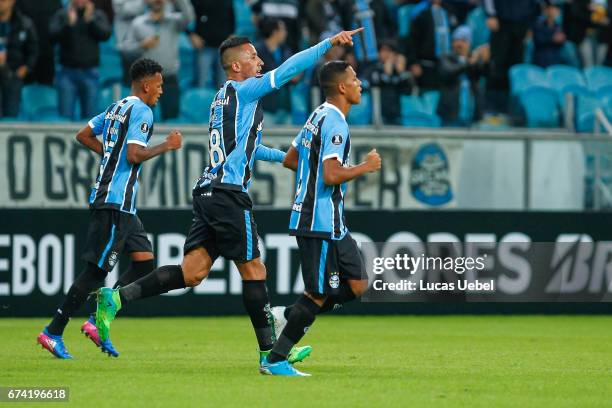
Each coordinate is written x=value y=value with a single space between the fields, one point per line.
x=137 y=270
x=287 y=311
x=257 y=305
x=91 y=279
x=302 y=316
x=161 y=280
x=345 y=294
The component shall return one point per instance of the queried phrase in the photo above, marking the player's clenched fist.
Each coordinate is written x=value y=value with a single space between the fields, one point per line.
x=345 y=37
x=174 y=140
x=373 y=161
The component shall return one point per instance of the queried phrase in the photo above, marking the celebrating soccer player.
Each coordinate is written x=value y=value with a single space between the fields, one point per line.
x=332 y=268
x=223 y=223
x=126 y=127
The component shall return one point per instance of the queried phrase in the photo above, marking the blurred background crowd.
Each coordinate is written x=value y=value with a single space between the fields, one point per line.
x=489 y=63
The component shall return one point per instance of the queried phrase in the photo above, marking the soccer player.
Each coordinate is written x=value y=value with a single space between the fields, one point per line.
x=223 y=223
x=332 y=267
x=126 y=127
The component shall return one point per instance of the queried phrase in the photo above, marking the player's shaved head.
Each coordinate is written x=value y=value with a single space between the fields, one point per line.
x=230 y=50
x=330 y=74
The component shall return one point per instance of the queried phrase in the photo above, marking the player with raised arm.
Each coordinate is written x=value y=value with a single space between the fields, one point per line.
x=223 y=223
x=332 y=267
x=126 y=127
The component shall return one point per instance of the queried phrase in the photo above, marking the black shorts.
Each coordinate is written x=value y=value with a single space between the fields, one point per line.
x=223 y=224
x=326 y=262
x=110 y=233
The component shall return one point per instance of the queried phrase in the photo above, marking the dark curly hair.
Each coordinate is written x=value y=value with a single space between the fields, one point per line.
x=143 y=68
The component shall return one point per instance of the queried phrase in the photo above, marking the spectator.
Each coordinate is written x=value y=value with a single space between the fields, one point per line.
x=215 y=22
x=40 y=12
x=287 y=10
x=548 y=37
x=461 y=8
x=392 y=77
x=460 y=73
x=18 y=54
x=272 y=51
x=155 y=35
x=106 y=6
x=508 y=22
x=384 y=23
x=125 y=11
x=429 y=39
x=327 y=17
x=79 y=29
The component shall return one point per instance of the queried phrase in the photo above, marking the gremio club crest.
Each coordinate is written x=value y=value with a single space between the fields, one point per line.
x=430 y=176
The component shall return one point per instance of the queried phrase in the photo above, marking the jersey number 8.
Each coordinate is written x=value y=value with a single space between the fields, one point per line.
x=216 y=151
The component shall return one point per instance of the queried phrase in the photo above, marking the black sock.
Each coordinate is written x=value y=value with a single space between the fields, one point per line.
x=161 y=280
x=257 y=305
x=345 y=294
x=137 y=270
x=302 y=316
x=287 y=311
x=91 y=279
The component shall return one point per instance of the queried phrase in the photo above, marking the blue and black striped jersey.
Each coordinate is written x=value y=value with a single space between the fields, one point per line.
x=318 y=209
x=126 y=121
x=236 y=122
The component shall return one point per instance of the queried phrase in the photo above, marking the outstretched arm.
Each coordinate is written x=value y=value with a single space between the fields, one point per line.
x=255 y=88
x=308 y=58
x=269 y=154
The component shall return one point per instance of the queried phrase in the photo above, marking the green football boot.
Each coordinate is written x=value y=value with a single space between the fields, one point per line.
x=109 y=303
x=296 y=355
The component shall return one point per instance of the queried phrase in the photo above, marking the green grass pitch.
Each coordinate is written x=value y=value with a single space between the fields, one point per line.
x=470 y=361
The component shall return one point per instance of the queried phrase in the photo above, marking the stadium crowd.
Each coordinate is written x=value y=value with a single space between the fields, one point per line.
x=436 y=62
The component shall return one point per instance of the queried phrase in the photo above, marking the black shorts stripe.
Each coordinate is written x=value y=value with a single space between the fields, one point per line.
x=311 y=188
x=109 y=170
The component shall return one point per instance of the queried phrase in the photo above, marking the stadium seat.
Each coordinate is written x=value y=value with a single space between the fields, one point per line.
x=361 y=114
x=421 y=119
x=523 y=76
x=560 y=76
x=477 y=21
x=110 y=66
x=585 y=112
x=186 y=68
x=540 y=107
x=598 y=77
x=195 y=105
x=573 y=89
x=417 y=112
x=430 y=101
x=411 y=103
x=39 y=102
x=604 y=92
